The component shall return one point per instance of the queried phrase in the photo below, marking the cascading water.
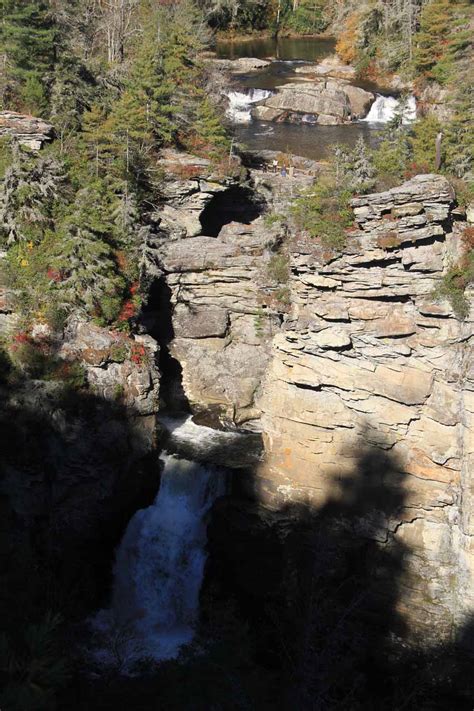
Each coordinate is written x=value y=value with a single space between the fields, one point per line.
x=240 y=103
x=384 y=108
x=159 y=569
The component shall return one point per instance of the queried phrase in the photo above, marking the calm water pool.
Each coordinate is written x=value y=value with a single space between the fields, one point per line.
x=308 y=49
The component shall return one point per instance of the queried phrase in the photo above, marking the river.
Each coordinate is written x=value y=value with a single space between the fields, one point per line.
x=306 y=139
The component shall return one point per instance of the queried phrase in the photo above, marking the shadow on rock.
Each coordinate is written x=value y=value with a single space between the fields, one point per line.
x=320 y=589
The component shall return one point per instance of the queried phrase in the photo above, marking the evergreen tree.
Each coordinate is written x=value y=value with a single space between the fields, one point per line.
x=460 y=132
x=95 y=140
x=423 y=143
x=72 y=94
x=362 y=170
x=32 y=189
x=435 y=26
x=209 y=129
x=28 y=38
x=85 y=260
x=129 y=131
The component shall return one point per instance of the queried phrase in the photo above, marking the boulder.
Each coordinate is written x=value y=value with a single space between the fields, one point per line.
x=241 y=65
x=328 y=106
x=360 y=100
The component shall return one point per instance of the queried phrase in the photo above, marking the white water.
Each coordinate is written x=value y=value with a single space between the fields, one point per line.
x=384 y=108
x=159 y=570
x=240 y=103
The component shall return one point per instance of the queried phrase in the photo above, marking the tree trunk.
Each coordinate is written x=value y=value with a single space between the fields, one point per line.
x=439 y=139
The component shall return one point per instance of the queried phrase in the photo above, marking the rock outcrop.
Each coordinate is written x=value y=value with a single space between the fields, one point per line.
x=326 y=105
x=324 y=101
x=219 y=308
x=241 y=65
x=324 y=94
x=366 y=365
x=189 y=186
x=367 y=358
x=27 y=130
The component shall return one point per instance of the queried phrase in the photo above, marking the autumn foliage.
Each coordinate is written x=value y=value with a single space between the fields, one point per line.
x=346 y=46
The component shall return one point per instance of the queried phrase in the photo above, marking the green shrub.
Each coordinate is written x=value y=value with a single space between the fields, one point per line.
x=119 y=353
x=324 y=211
x=458 y=277
x=279 y=268
x=283 y=296
x=273 y=218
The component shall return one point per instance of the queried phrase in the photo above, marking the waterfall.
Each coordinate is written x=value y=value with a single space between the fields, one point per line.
x=384 y=108
x=240 y=103
x=159 y=569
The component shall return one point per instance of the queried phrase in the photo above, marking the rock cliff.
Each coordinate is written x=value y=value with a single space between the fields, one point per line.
x=365 y=358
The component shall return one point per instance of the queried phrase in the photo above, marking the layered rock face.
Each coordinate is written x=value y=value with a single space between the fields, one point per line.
x=368 y=361
x=221 y=337
x=28 y=130
x=366 y=388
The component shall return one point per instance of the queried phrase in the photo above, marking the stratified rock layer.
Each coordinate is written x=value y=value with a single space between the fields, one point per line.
x=368 y=359
x=28 y=130
x=221 y=331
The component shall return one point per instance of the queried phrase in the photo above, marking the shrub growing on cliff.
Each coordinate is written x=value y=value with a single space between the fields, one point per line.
x=458 y=277
x=324 y=212
x=279 y=268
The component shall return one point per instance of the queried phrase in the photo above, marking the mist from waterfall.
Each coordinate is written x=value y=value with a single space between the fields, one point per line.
x=159 y=569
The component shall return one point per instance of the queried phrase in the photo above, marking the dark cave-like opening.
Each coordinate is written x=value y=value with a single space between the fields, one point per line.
x=157 y=319
x=236 y=204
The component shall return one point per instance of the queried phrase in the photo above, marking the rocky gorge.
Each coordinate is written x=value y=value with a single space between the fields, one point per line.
x=356 y=378
x=361 y=356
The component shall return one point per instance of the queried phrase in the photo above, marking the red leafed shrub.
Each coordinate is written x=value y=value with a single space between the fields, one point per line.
x=417 y=169
x=122 y=261
x=138 y=355
x=21 y=337
x=128 y=311
x=55 y=274
x=186 y=172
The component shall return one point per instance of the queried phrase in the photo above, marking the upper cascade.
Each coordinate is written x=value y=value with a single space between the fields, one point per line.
x=240 y=103
x=385 y=108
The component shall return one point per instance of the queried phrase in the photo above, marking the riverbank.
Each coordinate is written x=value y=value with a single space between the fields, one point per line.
x=230 y=36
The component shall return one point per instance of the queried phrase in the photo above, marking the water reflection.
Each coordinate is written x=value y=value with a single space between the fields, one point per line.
x=309 y=49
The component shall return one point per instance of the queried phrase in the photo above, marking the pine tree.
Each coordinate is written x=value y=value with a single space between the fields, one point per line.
x=28 y=37
x=31 y=190
x=95 y=140
x=128 y=130
x=435 y=24
x=71 y=94
x=150 y=83
x=460 y=132
x=209 y=129
x=85 y=260
x=423 y=143
x=362 y=168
